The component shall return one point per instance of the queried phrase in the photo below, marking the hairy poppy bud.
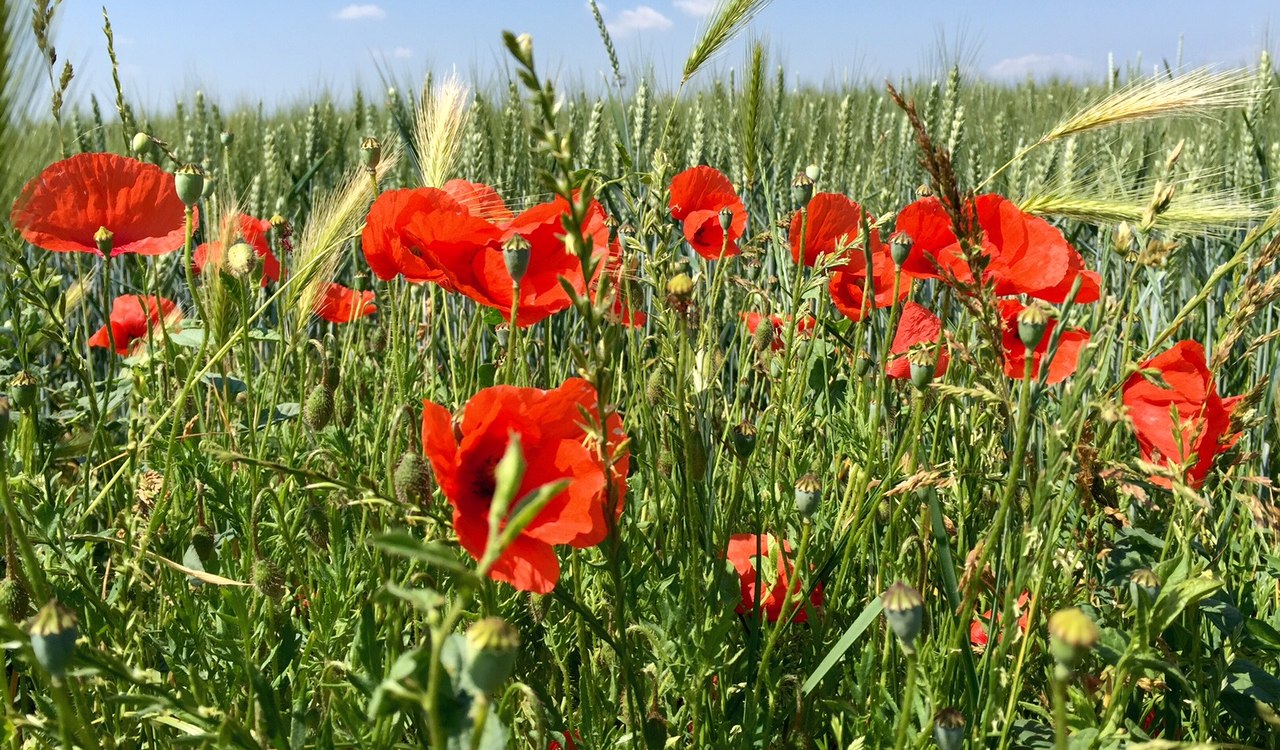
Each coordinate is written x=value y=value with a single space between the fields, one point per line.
x=904 y=609
x=202 y=540
x=743 y=439
x=13 y=599
x=515 y=253
x=923 y=364
x=53 y=638
x=726 y=219
x=370 y=153
x=318 y=409
x=411 y=483
x=227 y=138
x=1144 y=582
x=764 y=336
x=900 y=249
x=948 y=729
x=242 y=259
x=808 y=496
x=802 y=189
x=267 y=579
x=1032 y=323
x=104 y=239
x=142 y=145
x=1071 y=636
x=655 y=388
x=493 y=643
x=189 y=183
x=24 y=387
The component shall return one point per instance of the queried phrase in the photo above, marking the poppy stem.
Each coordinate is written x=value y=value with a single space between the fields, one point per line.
x=908 y=702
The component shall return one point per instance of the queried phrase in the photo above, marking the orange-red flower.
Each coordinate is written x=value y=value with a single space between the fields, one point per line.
x=978 y=636
x=555 y=445
x=1015 y=354
x=804 y=326
x=252 y=231
x=63 y=207
x=698 y=195
x=1187 y=424
x=827 y=226
x=428 y=235
x=132 y=317
x=339 y=304
x=916 y=326
x=1026 y=254
x=754 y=558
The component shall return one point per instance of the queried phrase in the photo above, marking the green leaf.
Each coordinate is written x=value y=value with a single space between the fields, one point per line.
x=1247 y=678
x=1175 y=599
x=868 y=616
x=404 y=544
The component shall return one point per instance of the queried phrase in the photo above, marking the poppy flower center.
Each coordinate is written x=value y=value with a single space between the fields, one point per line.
x=484 y=481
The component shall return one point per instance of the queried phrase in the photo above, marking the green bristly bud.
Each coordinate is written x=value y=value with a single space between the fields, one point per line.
x=904 y=609
x=13 y=599
x=242 y=260
x=23 y=387
x=764 y=336
x=1032 y=323
x=370 y=153
x=318 y=409
x=1072 y=635
x=53 y=638
x=104 y=239
x=743 y=439
x=189 y=182
x=515 y=254
x=493 y=643
x=948 y=729
x=267 y=579
x=411 y=483
x=202 y=540
x=808 y=496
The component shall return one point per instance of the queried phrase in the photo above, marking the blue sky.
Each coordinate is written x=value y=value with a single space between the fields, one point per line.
x=281 y=51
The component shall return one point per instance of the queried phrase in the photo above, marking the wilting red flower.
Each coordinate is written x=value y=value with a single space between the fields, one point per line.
x=339 y=304
x=1027 y=255
x=916 y=326
x=1015 y=354
x=554 y=442
x=428 y=235
x=132 y=316
x=65 y=205
x=698 y=195
x=753 y=320
x=1186 y=424
x=252 y=231
x=745 y=551
x=978 y=628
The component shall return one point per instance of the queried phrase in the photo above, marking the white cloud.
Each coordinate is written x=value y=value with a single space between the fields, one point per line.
x=696 y=8
x=641 y=18
x=402 y=53
x=358 y=12
x=1038 y=66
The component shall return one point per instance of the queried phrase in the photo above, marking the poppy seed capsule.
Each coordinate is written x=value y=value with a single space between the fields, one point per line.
x=53 y=638
x=1032 y=323
x=188 y=181
x=904 y=609
x=948 y=729
x=23 y=387
x=319 y=407
x=1144 y=582
x=370 y=153
x=801 y=189
x=493 y=643
x=1071 y=636
x=680 y=287
x=743 y=440
x=227 y=138
x=726 y=219
x=900 y=249
x=808 y=496
x=515 y=254
x=923 y=365
x=242 y=259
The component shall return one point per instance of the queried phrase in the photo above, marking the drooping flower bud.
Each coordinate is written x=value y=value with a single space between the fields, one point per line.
x=104 y=238
x=515 y=254
x=370 y=153
x=743 y=439
x=948 y=729
x=189 y=183
x=411 y=482
x=904 y=609
x=802 y=189
x=808 y=496
x=267 y=578
x=493 y=643
x=318 y=409
x=1072 y=635
x=53 y=638
x=1032 y=323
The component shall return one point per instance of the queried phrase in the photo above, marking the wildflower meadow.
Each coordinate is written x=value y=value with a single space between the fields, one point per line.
x=930 y=413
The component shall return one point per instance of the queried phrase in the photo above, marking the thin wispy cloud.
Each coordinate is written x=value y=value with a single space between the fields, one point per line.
x=361 y=12
x=695 y=8
x=1040 y=66
x=402 y=53
x=640 y=18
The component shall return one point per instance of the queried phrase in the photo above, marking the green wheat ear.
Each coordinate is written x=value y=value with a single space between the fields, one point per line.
x=22 y=150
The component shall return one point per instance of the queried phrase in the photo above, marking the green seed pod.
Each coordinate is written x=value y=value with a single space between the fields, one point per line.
x=1072 y=635
x=1033 y=321
x=802 y=189
x=726 y=218
x=227 y=138
x=411 y=482
x=24 y=387
x=189 y=182
x=1144 y=582
x=808 y=496
x=14 y=602
x=370 y=153
x=743 y=439
x=923 y=365
x=493 y=644
x=142 y=144
x=904 y=609
x=900 y=249
x=948 y=729
x=679 y=290
x=53 y=638
x=503 y=332
x=242 y=260
x=515 y=254
x=318 y=409
x=210 y=187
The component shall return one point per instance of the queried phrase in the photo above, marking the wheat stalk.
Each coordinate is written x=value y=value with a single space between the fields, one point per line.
x=729 y=18
x=1187 y=211
x=439 y=121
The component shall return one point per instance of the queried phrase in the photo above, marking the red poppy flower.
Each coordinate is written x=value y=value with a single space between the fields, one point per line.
x=252 y=231
x=339 y=304
x=698 y=195
x=848 y=284
x=1015 y=354
x=132 y=317
x=464 y=454
x=830 y=224
x=753 y=320
x=1026 y=254
x=568 y=741
x=978 y=637
x=428 y=235
x=480 y=200
x=65 y=205
x=1186 y=424
x=917 y=325
x=774 y=573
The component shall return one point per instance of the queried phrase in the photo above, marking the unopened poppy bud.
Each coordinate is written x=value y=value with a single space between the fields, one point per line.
x=493 y=643
x=104 y=238
x=142 y=144
x=370 y=153
x=189 y=183
x=1144 y=582
x=861 y=364
x=23 y=387
x=680 y=287
x=948 y=729
x=1032 y=323
x=411 y=482
x=808 y=496
x=923 y=364
x=743 y=439
x=802 y=189
x=726 y=218
x=904 y=609
x=242 y=259
x=515 y=253
x=227 y=138
x=203 y=541
x=14 y=602
x=900 y=249
x=1071 y=636
x=267 y=579
x=764 y=336
x=53 y=638
x=318 y=409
